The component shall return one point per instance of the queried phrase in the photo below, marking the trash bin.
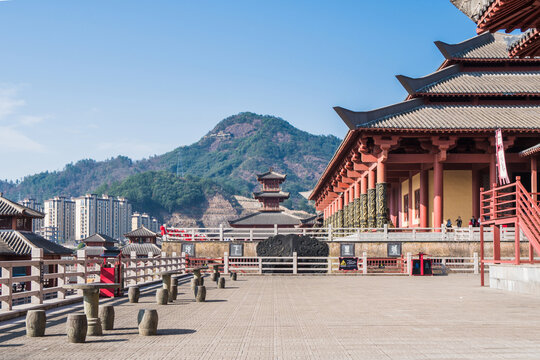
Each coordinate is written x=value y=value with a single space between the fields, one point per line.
x=422 y=266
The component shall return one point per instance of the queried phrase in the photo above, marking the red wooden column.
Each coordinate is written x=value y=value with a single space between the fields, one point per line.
x=346 y=208
x=437 y=193
x=534 y=176
x=424 y=202
x=492 y=170
x=410 y=204
x=340 y=212
x=372 y=204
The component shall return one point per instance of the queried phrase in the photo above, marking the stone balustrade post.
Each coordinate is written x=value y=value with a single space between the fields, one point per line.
x=61 y=281
x=295 y=262
x=175 y=261
x=250 y=234
x=225 y=262
x=471 y=233
x=81 y=268
x=385 y=231
x=7 y=273
x=329 y=264
x=220 y=232
x=364 y=263
x=275 y=229
x=37 y=270
x=475 y=263
x=329 y=232
x=183 y=262
x=133 y=267
x=409 y=263
x=260 y=265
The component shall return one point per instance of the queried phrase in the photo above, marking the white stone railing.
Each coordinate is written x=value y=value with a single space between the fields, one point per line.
x=339 y=234
x=47 y=277
x=330 y=265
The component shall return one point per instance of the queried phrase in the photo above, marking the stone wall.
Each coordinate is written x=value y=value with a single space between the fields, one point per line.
x=215 y=249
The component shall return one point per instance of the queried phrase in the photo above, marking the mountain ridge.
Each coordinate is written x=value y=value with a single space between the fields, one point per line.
x=229 y=156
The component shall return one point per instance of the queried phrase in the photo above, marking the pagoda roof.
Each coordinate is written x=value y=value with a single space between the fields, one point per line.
x=451 y=81
x=474 y=9
x=99 y=238
x=415 y=115
x=271 y=194
x=530 y=151
x=141 y=232
x=528 y=44
x=271 y=175
x=141 y=249
x=14 y=242
x=11 y=208
x=484 y=46
x=267 y=218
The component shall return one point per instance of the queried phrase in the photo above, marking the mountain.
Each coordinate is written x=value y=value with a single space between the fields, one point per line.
x=224 y=161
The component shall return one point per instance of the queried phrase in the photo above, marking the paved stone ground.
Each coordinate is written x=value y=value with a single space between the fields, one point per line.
x=303 y=317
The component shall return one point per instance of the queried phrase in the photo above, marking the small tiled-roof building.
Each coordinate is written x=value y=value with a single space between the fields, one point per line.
x=16 y=237
x=141 y=241
x=101 y=245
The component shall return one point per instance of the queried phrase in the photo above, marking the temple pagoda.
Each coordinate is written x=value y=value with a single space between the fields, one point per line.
x=423 y=161
x=270 y=213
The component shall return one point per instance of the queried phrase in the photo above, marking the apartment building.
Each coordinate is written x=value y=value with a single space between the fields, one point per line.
x=37 y=224
x=149 y=222
x=104 y=215
x=59 y=221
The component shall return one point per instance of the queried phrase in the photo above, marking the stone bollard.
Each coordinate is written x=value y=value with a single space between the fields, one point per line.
x=76 y=328
x=201 y=294
x=233 y=275
x=36 y=321
x=221 y=283
x=162 y=296
x=133 y=294
x=147 y=320
x=174 y=293
x=106 y=315
x=213 y=277
x=194 y=283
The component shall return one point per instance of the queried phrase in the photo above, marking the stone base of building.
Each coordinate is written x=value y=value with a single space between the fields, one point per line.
x=523 y=278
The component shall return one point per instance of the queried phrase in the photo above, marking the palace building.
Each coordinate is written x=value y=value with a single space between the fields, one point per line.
x=422 y=161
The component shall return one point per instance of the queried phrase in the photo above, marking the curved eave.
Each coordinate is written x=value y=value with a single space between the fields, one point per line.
x=332 y=164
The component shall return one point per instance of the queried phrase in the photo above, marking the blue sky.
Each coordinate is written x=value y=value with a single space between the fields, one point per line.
x=96 y=79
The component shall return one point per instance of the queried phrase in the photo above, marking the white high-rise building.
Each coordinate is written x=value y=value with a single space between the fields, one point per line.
x=37 y=224
x=138 y=220
x=104 y=215
x=59 y=221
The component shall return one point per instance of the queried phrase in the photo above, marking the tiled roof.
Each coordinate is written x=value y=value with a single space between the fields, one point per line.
x=530 y=151
x=141 y=249
x=99 y=238
x=141 y=232
x=102 y=250
x=271 y=175
x=474 y=9
x=271 y=194
x=10 y=208
x=451 y=81
x=528 y=44
x=484 y=46
x=22 y=242
x=413 y=114
x=267 y=218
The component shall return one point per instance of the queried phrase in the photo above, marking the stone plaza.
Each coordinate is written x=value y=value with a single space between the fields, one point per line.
x=307 y=317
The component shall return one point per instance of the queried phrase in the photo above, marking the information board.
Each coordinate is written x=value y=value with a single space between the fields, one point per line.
x=348 y=263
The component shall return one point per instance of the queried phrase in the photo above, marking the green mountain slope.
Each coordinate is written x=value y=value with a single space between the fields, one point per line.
x=229 y=156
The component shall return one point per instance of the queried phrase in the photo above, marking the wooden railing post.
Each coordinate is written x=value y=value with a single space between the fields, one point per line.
x=133 y=266
x=364 y=263
x=329 y=264
x=37 y=270
x=329 y=232
x=61 y=281
x=183 y=260
x=81 y=267
x=295 y=262
x=475 y=263
x=7 y=273
x=260 y=265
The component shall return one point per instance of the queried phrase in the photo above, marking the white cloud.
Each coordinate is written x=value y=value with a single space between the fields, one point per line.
x=9 y=102
x=32 y=119
x=12 y=140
